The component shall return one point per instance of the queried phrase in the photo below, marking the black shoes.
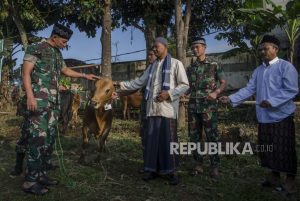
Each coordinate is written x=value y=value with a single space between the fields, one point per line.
x=173 y=179
x=149 y=176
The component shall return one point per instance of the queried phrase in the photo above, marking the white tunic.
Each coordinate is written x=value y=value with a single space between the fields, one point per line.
x=179 y=84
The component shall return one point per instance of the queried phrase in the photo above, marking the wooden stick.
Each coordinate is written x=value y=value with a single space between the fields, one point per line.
x=85 y=66
x=245 y=103
x=6 y=112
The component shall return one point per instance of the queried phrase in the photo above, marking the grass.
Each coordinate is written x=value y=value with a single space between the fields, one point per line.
x=116 y=176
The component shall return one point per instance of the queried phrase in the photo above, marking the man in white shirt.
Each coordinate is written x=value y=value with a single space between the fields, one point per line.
x=165 y=82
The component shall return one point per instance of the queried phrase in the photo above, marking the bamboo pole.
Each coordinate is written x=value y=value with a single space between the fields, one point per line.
x=245 y=103
x=85 y=66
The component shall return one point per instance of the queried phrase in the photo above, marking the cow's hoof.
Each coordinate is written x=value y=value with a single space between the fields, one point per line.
x=82 y=160
x=98 y=158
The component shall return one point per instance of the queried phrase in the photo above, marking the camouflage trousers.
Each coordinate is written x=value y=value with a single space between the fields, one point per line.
x=209 y=122
x=41 y=138
x=22 y=143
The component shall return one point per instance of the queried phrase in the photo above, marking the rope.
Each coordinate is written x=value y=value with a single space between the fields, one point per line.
x=62 y=167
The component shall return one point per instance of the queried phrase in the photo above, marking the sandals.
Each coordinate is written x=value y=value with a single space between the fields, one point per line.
x=46 y=181
x=36 y=189
x=197 y=171
x=270 y=183
x=266 y=183
x=283 y=189
x=215 y=178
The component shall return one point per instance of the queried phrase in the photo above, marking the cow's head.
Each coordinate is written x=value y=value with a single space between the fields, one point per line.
x=102 y=93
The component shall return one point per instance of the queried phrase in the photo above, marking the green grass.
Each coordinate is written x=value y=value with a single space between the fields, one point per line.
x=116 y=176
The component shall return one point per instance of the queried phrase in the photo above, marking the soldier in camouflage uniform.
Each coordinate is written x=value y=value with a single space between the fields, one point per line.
x=42 y=68
x=204 y=77
x=22 y=143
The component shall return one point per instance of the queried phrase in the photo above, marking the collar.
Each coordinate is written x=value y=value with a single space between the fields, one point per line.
x=271 y=62
x=205 y=61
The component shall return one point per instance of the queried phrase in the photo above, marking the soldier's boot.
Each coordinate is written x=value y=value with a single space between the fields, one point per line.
x=18 y=169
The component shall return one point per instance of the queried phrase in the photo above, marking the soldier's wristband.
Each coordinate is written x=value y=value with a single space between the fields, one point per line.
x=83 y=75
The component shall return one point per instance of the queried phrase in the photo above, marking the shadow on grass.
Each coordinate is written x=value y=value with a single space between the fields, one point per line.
x=115 y=177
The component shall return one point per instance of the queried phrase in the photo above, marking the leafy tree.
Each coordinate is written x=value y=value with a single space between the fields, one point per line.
x=89 y=16
x=197 y=18
x=152 y=17
x=252 y=21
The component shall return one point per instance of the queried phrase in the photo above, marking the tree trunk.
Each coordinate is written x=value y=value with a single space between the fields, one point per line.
x=19 y=25
x=106 y=39
x=182 y=30
x=150 y=35
x=182 y=23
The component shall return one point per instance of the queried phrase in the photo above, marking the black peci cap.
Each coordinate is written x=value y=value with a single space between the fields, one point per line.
x=62 y=31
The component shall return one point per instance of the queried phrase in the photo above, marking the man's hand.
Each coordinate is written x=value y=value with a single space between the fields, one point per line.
x=116 y=83
x=212 y=96
x=61 y=88
x=162 y=96
x=31 y=103
x=265 y=104
x=91 y=77
x=224 y=99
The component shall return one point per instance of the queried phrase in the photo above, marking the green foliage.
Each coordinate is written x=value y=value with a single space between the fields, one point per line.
x=211 y=15
x=142 y=13
x=34 y=16
x=65 y=82
x=252 y=21
x=87 y=15
x=246 y=26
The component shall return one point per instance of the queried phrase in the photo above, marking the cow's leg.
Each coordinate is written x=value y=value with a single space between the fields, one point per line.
x=76 y=117
x=128 y=113
x=125 y=109
x=102 y=140
x=85 y=143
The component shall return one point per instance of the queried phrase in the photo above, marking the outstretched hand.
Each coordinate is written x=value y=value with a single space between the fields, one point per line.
x=265 y=104
x=92 y=77
x=114 y=95
x=224 y=99
x=212 y=96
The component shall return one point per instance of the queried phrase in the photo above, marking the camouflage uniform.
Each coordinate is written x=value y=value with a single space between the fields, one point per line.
x=22 y=143
x=202 y=113
x=48 y=62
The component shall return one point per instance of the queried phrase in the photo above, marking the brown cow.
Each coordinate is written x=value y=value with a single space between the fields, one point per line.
x=131 y=101
x=98 y=119
x=75 y=107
